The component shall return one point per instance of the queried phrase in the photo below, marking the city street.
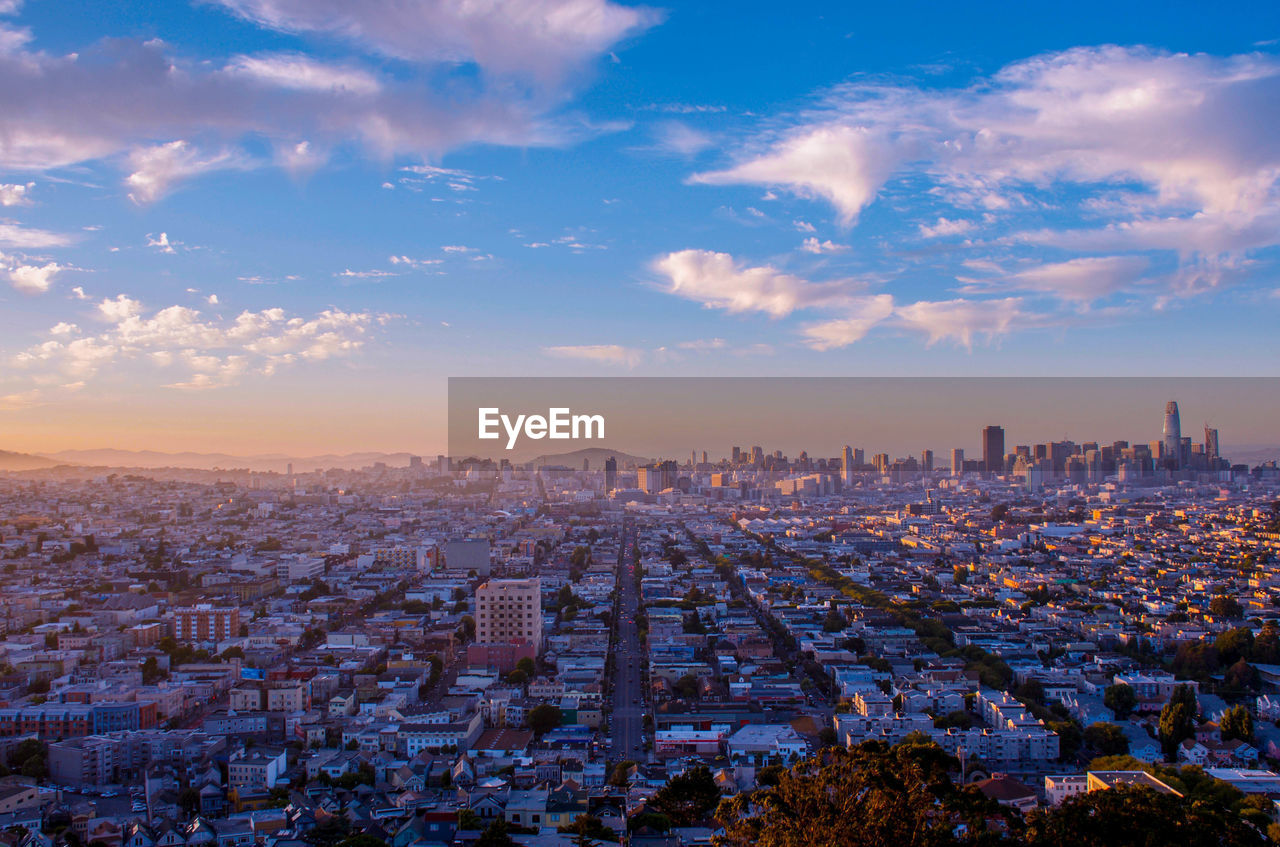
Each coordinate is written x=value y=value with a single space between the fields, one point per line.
x=626 y=740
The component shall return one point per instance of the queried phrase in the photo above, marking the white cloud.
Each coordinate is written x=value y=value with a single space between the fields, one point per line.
x=609 y=354
x=804 y=226
x=680 y=139
x=156 y=168
x=1081 y=280
x=79 y=294
x=167 y=117
x=1188 y=135
x=162 y=243
x=120 y=309
x=212 y=299
x=845 y=165
x=416 y=264
x=369 y=274
x=945 y=227
x=34 y=279
x=864 y=314
x=12 y=194
x=962 y=320
x=542 y=38
x=813 y=245
x=295 y=71
x=702 y=344
x=718 y=282
x=16 y=235
x=211 y=352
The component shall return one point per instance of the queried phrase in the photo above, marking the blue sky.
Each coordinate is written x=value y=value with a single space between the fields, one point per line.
x=262 y=225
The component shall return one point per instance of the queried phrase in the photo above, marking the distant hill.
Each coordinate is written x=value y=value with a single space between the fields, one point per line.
x=1251 y=454
x=24 y=462
x=269 y=462
x=595 y=455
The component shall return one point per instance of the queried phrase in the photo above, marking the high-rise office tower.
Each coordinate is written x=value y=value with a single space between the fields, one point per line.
x=704 y=457
x=846 y=465
x=658 y=477
x=926 y=461
x=993 y=449
x=610 y=473
x=757 y=455
x=957 y=462
x=1172 y=433
x=737 y=455
x=1211 y=443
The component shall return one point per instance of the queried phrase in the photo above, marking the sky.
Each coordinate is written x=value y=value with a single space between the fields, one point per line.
x=281 y=225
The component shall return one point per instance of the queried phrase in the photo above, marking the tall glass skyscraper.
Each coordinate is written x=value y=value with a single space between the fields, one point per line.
x=1172 y=434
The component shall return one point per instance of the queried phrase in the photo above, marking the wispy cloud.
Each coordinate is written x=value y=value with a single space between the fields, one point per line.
x=543 y=39
x=609 y=354
x=1071 y=126
x=717 y=281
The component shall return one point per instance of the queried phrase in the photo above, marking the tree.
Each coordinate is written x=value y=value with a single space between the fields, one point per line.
x=588 y=831
x=621 y=774
x=362 y=840
x=871 y=794
x=834 y=621
x=29 y=758
x=1234 y=645
x=1119 y=698
x=1236 y=724
x=1177 y=720
x=688 y=798
x=1128 y=816
x=497 y=834
x=1196 y=659
x=529 y=667
x=1223 y=606
x=1106 y=739
x=543 y=718
x=1266 y=647
x=1241 y=676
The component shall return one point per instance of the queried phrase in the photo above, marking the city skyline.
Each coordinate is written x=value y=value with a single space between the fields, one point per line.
x=668 y=417
x=299 y=222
